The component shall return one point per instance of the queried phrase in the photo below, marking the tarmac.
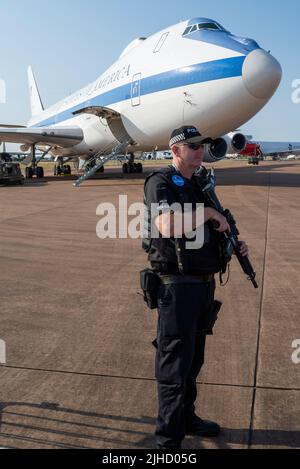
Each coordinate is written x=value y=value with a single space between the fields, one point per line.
x=79 y=369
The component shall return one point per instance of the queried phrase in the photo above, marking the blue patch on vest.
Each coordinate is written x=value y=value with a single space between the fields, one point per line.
x=178 y=180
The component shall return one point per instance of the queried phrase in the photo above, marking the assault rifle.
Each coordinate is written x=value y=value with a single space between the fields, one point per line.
x=231 y=243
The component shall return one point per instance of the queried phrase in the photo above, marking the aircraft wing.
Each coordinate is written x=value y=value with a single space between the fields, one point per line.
x=60 y=136
x=9 y=126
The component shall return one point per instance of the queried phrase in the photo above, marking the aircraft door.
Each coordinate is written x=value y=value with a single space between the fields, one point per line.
x=136 y=90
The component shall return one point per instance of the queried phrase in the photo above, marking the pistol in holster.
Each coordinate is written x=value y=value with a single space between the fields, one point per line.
x=150 y=283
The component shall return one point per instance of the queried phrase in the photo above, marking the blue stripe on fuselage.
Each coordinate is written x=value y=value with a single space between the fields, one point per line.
x=189 y=75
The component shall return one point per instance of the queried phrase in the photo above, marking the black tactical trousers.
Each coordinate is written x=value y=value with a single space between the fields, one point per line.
x=180 y=355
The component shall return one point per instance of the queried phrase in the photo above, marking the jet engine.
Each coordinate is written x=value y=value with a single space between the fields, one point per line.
x=216 y=151
x=236 y=142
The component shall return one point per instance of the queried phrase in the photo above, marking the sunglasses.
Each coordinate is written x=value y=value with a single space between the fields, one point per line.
x=194 y=146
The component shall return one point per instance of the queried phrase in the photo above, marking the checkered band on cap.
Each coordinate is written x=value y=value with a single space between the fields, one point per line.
x=177 y=139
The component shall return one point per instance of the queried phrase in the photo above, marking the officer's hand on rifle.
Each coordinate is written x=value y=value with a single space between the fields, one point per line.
x=220 y=222
x=244 y=250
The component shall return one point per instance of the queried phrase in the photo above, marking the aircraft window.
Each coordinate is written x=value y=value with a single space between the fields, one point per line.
x=187 y=30
x=209 y=26
x=203 y=26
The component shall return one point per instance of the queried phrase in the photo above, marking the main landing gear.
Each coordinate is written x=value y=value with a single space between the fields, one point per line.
x=60 y=169
x=131 y=166
x=91 y=164
x=37 y=171
x=34 y=169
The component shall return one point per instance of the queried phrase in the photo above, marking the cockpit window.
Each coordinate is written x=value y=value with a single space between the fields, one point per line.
x=188 y=29
x=203 y=26
x=209 y=26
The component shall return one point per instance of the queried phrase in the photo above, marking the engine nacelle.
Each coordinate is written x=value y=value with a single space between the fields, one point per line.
x=217 y=150
x=236 y=142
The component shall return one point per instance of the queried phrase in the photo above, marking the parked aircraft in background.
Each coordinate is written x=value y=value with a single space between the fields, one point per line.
x=274 y=149
x=279 y=148
x=195 y=72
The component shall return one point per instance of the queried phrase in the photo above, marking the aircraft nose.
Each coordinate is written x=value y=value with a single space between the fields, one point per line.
x=261 y=74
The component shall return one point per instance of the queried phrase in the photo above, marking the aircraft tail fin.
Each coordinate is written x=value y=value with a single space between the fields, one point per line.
x=35 y=98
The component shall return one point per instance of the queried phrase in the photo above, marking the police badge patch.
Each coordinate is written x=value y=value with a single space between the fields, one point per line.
x=178 y=180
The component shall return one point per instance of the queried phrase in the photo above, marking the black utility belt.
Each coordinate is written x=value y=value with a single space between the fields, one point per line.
x=151 y=281
x=171 y=279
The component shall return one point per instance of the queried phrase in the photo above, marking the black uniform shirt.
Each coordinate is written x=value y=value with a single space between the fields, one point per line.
x=165 y=188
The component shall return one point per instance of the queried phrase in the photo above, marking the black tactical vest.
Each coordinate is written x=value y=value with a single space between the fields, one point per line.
x=169 y=255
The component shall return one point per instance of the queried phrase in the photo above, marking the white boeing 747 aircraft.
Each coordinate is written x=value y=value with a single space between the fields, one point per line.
x=195 y=72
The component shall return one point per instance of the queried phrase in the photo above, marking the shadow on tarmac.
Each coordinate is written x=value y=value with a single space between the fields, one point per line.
x=229 y=436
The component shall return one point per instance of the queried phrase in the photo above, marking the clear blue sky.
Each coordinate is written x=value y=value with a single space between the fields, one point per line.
x=71 y=42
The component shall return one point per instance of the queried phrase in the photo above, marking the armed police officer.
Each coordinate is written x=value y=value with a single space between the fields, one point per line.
x=185 y=298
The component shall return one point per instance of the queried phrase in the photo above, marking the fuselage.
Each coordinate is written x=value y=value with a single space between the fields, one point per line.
x=194 y=72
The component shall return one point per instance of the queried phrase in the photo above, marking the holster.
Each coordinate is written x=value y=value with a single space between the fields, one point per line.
x=210 y=318
x=150 y=283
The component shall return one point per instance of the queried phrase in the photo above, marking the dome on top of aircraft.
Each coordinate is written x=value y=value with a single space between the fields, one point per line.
x=132 y=45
